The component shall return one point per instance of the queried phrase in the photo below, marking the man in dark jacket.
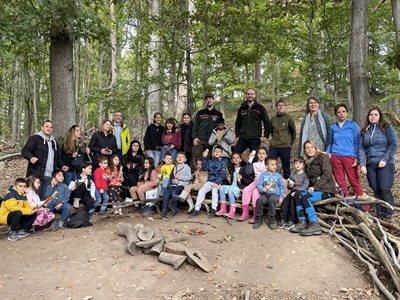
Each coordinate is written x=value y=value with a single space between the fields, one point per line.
x=248 y=126
x=44 y=156
x=203 y=125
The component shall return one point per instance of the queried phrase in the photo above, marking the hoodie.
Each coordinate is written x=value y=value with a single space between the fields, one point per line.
x=14 y=201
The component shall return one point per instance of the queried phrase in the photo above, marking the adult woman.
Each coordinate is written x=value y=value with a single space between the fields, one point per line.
x=186 y=137
x=322 y=186
x=315 y=126
x=103 y=142
x=377 y=147
x=343 y=150
x=133 y=165
x=73 y=153
x=152 y=138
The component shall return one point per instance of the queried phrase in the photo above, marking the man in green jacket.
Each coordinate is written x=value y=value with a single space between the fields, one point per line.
x=283 y=134
x=121 y=133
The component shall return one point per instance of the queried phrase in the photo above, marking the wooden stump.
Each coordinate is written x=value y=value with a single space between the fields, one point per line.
x=172 y=259
x=130 y=232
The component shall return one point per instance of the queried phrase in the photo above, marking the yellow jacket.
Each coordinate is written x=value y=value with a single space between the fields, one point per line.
x=125 y=138
x=14 y=201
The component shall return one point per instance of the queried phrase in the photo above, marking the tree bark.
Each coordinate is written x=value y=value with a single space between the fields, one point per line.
x=358 y=60
x=62 y=82
x=15 y=100
x=396 y=20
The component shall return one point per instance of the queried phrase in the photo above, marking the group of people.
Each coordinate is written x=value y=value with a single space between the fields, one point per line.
x=113 y=168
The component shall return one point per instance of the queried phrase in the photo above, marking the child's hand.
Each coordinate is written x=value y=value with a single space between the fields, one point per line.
x=292 y=194
x=215 y=186
x=159 y=176
x=53 y=183
x=139 y=183
x=58 y=206
x=101 y=191
x=280 y=201
x=290 y=183
x=265 y=189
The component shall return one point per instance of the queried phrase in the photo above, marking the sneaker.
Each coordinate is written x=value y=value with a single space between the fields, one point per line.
x=149 y=211
x=34 y=230
x=281 y=224
x=22 y=233
x=289 y=224
x=127 y=199
x=60 y=224
x=301 y=225
x=13 y=236
x=160 y=195
x=163 y=214
x=313 y=229
x=135 y=209
x=172 y=214
x=258 y=222
x=194 y=214
x=212 y=214
x=53 y=225
x=272 y=222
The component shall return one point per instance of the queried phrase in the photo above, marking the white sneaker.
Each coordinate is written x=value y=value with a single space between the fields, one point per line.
x=128 y=199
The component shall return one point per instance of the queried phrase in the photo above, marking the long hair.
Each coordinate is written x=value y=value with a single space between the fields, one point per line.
x=149 y=170
x=171 y=121
x=101 y=128
x=71 y=144
x=382 y=122
x=112 y=166
x=231 y=165
x=84 y=166
x=317 y=151
x=308 y=102
x=30 y=181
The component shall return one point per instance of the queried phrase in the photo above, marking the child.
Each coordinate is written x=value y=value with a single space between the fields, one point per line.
x=199 y=178
x=147 y=181
x=180 y=177
x=16 y=212
x=44 y=215
x=85 y=189
x=114 y=185
x=171 y=139
x=272 y=189
x=102 y=177
x=60 y=202
x=165 y=172
x=298 y=181
x=216 y=174
x=239 y=180
x=222 y=136
x=250 y=193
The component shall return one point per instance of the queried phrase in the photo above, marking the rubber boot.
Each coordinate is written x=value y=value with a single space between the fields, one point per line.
x=191 y=204
x=253 y=219
x=231 y=214
x=182 y=197
x=76 y=202
x=245 y=213
x=222 y=210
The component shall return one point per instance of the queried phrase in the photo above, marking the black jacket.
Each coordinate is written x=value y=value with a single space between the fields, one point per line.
x=204 y=123
x=249 y=119
x=101 y=141
x=152 y=137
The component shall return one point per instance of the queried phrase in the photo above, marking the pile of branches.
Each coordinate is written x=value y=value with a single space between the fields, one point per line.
x=375 y=242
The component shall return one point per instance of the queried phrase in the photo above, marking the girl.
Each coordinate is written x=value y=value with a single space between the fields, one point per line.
x=171 y=139
x=85 y=188
x=44 y=215
x=238 y=179
x=133 y=164
x=152 y=138
x=114 y=186
x=250 y=193
x=185 y=129
x=147 y=181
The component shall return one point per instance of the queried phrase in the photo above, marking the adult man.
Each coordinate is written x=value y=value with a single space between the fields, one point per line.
x=44 y=156
x=283 y=134
x=203 y=125
x=121 y=133
x=248 y=128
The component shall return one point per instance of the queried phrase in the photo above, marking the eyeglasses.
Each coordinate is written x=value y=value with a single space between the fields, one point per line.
x=281 y=105
x=105 y=162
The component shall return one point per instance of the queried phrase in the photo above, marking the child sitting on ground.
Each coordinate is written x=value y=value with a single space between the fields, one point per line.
x=199 y=178
x=272 y=190
x=165 y=172
x=298 y=181
x=16 y=212
x=216 y=175
x=101 y=177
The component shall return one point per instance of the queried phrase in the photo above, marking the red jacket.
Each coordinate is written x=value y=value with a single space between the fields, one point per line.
x=101 y=178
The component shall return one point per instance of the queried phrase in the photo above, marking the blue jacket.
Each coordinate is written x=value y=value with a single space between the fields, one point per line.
x=63 y=193
x=344 y=141
x=215 y=168
x=274 y=182
x=377 y=145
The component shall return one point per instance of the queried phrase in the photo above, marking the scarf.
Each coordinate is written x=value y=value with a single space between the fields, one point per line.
x=307 y=121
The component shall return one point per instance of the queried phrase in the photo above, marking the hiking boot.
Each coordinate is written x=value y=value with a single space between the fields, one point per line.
x=149 y=211
x=289 y=224
x=299 y=226
x=22 y=233
x=172 y=213
x=34 y=230
x=163 y=214
x=212 y=214
x=281 y=223
x=61 y=225
x=272 y=222
x=258 y=223
x=313 y=229
x=13 y=236
x=135 y=209
x=194 y=214
x=53 y=225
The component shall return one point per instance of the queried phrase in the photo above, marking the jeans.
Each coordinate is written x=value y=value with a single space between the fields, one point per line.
x=69 y=176
x=100 y=197
x=222 y=195
x=171 y=192
x=65 y=209
x=165 y=149
x=154 y=154
x=44 y=183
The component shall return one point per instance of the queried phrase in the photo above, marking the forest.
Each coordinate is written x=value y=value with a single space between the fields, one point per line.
x=75 y=62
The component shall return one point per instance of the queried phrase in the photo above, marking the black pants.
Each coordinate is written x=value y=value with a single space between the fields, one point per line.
x=86 y=199
x=288 y=210
x=16 y=218
x=270 y=200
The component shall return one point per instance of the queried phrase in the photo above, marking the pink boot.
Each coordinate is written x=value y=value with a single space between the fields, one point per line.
x=222 y=210
x=253 y=219
x=231 y=214
x=245 y=213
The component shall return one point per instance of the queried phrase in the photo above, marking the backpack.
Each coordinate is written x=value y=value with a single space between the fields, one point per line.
x=78 y=220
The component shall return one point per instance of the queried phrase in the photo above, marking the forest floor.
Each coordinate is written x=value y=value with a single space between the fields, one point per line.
x=92 y=263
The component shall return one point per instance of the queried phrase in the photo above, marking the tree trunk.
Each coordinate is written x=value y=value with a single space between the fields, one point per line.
x=358 y=60
x=257 y=74
x=35 y=100
x=62 y=82
x=15 y=101
x=28 y=103
x=205 y=57
x=114 y=49
x=396 y=20
x=77 y=71
x=312 y=49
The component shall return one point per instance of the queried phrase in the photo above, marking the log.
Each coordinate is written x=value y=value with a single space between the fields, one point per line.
x=172 y=259
x=175 y=248
x=9 y=156
x=130 y=232
x=198 y=259
x=145 y=234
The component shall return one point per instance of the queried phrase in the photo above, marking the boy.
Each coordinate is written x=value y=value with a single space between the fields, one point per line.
x=179 y=178
x=199 y=178
x=15 y=211
x=60 y=202
x=165 y=172
x=298 y=181
x=216 y=174
x=272 y=190
x=101 y=177
x=222 y=136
